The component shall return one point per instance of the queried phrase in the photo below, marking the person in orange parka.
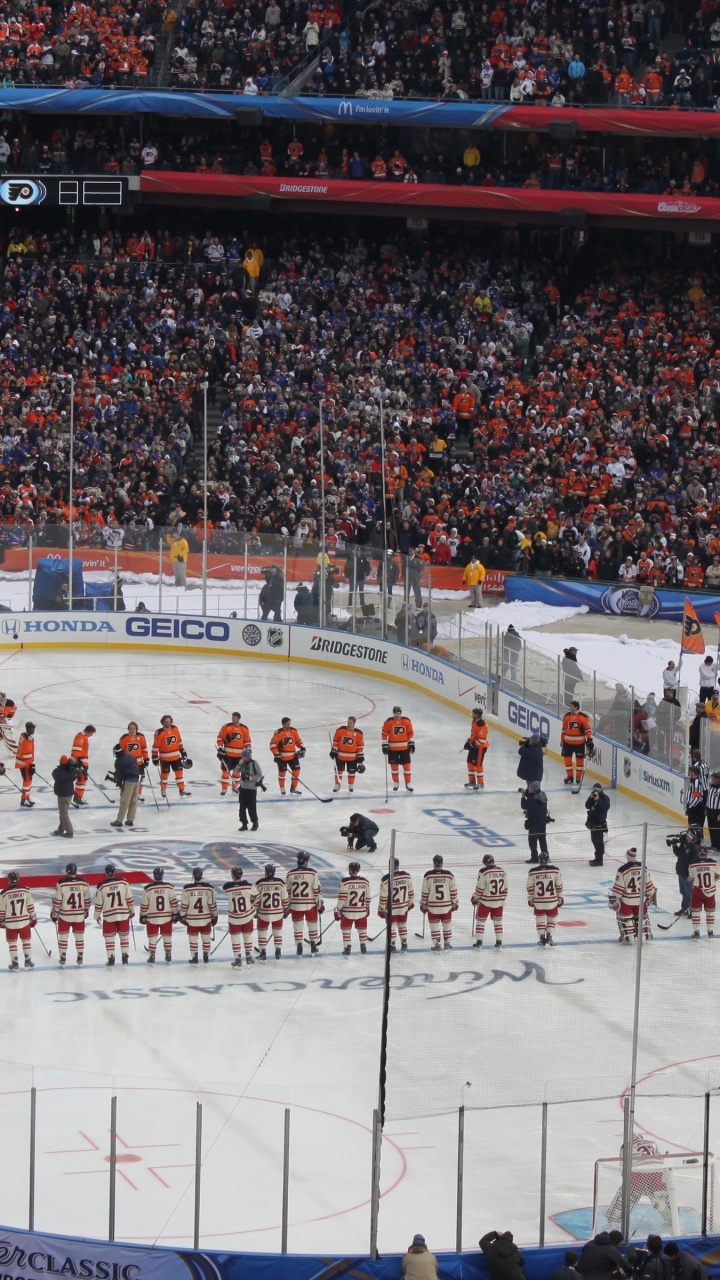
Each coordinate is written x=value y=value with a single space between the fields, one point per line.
x=25 y=762
x=81 y=755
x=476 y=746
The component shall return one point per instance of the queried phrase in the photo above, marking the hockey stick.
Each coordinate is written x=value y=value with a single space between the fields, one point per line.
x=102 y=790
x=132 y=930
x=665 y=927
x=329 y=799
x=6 y=775
x=422 y=935
x=217 y=944
x=42 y=944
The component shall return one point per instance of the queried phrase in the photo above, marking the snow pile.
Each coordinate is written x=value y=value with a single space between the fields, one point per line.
x=639 y=663
x=523 y=614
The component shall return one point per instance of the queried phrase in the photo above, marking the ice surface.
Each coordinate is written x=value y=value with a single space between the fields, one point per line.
x=304 y=1033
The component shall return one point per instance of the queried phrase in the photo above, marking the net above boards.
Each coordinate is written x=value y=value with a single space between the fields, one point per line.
x=524 y=1025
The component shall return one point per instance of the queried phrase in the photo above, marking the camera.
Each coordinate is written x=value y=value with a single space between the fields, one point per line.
x=109 y=777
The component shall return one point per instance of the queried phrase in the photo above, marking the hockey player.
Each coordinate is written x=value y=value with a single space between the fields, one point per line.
x=135 y=743
x=115 y=906
x=575 y=741
x=272 y=907
x=399 y=747
x=159 y=911
x=17 y=918
x=80 y=753
x=348 y=751
x=7 y=712
x=199 y=914
x=303 y=889
x=231 y=741
x=242 y=903
x=169 y=753
x=353 y=907
x=287 y=749
x=70 y=909
x=544 y=891
x=25 y=762
x=703 y=877
x=476 y=746
x=403 y=901
x=489 y=897
x=624 y=898
x=438 y=900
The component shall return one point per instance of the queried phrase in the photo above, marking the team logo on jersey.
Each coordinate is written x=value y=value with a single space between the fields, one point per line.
x=251 y=635
x=22 y=191
x=275 y=637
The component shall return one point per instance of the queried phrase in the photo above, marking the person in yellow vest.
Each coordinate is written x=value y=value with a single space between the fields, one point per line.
x=473 y=578
x=179 y=552
x=252 y=262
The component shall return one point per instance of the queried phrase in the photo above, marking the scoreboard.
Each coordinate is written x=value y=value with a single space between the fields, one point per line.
x=20 y=192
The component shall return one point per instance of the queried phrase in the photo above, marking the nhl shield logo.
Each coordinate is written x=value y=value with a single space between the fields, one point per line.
x=275 y=637
x=627 y=766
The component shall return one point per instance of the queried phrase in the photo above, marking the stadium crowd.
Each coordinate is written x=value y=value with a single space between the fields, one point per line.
x=554 y=418
x=509 y=50
x=667 y=166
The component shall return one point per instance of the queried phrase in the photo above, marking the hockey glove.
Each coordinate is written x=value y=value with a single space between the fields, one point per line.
x=381 y=913
x=590 y=748
x=221 y=756
x=53 y=917
x=301 y=753
x=176 y=917
x=183 y=755
x=333 y=754
x=336 y=914
x=613 y=903
x=467 y=746
x=423 y=908
x=561 y=902
x=321 y=907
x=143 y=919
x=411 y=748
x=385 y=749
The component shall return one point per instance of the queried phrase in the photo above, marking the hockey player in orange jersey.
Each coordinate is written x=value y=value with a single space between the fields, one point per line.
x=135 y=743
x=476 y=746
x=80 y=753
x=576 y=739
x=398 y=746
x=287 y=750
x=25 y=762
x=348 y=752
x=168 y=753
x=232 y=740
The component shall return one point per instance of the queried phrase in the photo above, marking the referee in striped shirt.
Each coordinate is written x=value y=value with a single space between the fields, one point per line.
x=713 y=809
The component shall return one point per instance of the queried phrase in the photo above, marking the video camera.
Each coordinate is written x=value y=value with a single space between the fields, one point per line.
x=541 y=742
x=679 y=837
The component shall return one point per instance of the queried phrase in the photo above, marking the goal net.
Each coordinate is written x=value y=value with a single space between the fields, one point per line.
x=665 y=1195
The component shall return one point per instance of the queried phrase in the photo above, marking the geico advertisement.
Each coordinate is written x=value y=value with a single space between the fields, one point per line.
x=120 y=629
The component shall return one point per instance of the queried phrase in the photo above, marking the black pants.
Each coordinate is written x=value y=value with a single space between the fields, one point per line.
x=538 y=843
x=248 y=805
x=598 y=844
x=706 y=692
x=713 y=821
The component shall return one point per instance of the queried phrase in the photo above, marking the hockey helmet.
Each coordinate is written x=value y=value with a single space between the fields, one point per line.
x=158 y=874
x=109 y=870
x=396 y=864
x=187 y=763
x=71 y=869
x=236 y=873
x=488 y=860
x=438 y=860
x=270 y=869
x=543 y=857
x=354 y=868
x=197 y=874
x=397 y=711
x=13 y=878
x=302 y=859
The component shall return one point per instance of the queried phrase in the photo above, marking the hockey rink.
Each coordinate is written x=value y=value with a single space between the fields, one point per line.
x=497 y=1031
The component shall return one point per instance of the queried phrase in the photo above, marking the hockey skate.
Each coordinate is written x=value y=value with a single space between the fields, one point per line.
x=151 y=958
x=168 y=957
x=299 y=948
x=263 y=954
x=194 y=959
x=61 y=960
x=363 y=948
x=549 y=940
x=403 y=946
x=695 y=933
x=336 y=787
x=125 y=957
x=78 y=959
x=710 y=933
x=448 y=946
x=25 y=803
x=314 y=948
x=185 y=795
x=435 y=946
x=79 y=804
x=471 y=786
x=346 y=951
x=29 y=962
x=278 y=953
x=249 y=959
x=568 y=782
x=396 y=786
x=541 y=940
x=110 y=962
x=477 y=944
x=13 y=965
x=498 y=943
x=206 y=957
x=408 y=787
x=237 y=963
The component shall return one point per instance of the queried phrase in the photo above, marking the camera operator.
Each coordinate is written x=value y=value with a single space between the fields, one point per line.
x=686 y=848
x=531 y=764
x=64 y=776
x=534 y=805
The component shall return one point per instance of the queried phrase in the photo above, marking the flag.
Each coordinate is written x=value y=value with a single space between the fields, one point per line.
x=692 y=636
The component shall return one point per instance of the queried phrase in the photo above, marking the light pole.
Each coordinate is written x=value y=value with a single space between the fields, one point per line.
x=205 y=496
x=69 y=377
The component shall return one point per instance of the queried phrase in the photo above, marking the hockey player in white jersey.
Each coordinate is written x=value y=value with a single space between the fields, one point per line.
x=489 y=897
x=159 y=910
x=438 y=900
